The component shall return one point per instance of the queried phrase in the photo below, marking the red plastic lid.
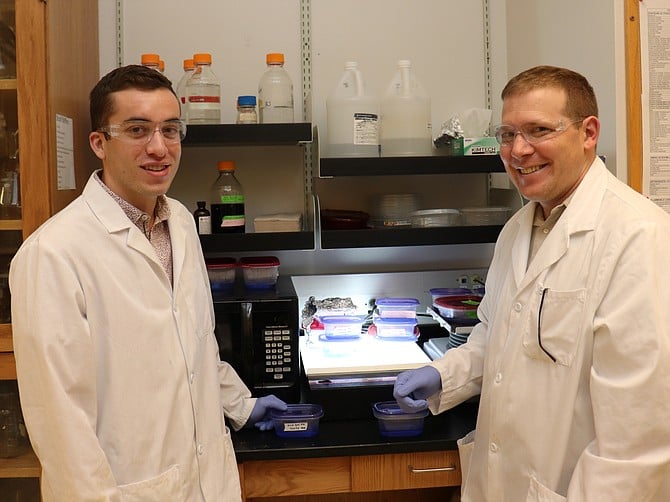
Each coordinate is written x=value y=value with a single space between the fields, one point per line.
x=259 y=261
x=464 y=302
x=221 y=263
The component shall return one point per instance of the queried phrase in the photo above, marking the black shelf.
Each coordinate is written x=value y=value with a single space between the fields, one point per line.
x=383 y=237
x=222 y=244
x=374 y=166
x=247 y=134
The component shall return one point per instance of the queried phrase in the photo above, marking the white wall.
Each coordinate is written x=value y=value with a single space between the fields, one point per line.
x=444 y=38
x=586 y=37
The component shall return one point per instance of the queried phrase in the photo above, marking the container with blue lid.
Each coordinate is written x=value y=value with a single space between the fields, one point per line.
x=342 y=327
x=394 y=422
x=397 y=307
x=297 y=421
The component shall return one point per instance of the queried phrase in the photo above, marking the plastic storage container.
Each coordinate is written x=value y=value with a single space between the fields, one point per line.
x=436 y=293
x=298 y=421
x=221 y=272
x=397 y=307
x=260 y=272
x=342 y=327
x=473 y=216
x=393 y=422
x=275 y=92
x=352 y=117
x=427 y=218
x=458 y=307
x=406 y=115
x=400 y=328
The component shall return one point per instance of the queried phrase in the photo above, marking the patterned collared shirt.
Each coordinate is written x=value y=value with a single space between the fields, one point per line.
x=158 y=234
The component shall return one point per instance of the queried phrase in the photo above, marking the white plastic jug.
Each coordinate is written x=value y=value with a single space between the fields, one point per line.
x=405 y=113
x=352 y=117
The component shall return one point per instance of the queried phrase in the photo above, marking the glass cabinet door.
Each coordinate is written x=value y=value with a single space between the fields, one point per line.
x=10 y=193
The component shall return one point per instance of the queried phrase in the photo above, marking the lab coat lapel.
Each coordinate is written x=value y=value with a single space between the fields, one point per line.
x=178 y=240
x=578 y=217
x=110 y=214
x=521 y=244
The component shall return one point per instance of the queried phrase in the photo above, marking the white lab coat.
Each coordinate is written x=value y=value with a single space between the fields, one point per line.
x=121 y=386
x=595 y=424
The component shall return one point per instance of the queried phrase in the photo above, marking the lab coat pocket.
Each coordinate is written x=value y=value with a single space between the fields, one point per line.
x=465 y=446
x=231 y=476
x=537 y=492
x=162 y=488
x=555 y=325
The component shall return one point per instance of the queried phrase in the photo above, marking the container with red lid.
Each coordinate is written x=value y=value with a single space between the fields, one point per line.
x=458 y=307
x=221 y=272
x=260 y=272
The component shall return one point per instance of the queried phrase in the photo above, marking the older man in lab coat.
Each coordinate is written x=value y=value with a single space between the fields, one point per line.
x=572 y=354
x=122 y=390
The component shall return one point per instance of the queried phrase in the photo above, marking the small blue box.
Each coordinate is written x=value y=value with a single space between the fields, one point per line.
x=393 y=422
x=298 y=421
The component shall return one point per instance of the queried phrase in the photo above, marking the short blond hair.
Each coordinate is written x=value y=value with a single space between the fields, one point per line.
x=581 y=100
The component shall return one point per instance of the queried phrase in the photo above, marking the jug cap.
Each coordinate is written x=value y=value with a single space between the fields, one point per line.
x=226 y=165
x=150 y=59
x=202 y=58
x=274 y=57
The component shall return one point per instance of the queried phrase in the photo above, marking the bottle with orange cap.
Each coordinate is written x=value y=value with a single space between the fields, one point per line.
x=227 y=201
x=275 y=92
x=151 y=60
x=203 y=92
x=189 y=69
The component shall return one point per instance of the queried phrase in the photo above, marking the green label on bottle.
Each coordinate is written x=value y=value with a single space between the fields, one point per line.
x=232 y=199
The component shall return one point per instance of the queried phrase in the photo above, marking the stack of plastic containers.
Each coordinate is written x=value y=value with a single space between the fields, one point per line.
x=395 y=318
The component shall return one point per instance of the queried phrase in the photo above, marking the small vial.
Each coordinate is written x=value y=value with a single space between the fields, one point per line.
x=203 y=219
x=246 y=110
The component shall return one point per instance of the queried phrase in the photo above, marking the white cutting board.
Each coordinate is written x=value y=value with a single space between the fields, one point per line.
x=368 y=354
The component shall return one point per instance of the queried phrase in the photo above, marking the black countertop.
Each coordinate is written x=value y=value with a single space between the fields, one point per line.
x=357 y=437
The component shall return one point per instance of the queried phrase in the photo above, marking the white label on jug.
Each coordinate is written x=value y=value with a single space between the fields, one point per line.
x=366 y=129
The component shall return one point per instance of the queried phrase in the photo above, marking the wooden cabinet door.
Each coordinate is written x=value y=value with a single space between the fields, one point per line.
x=307 y=476
x=400 y=471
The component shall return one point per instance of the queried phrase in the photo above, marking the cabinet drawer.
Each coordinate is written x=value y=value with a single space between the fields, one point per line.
x=296 y=476
x=400 y=471
x=7 y=366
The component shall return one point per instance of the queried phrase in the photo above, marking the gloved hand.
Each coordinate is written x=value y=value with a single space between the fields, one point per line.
x=413 y=387
x=260 y=415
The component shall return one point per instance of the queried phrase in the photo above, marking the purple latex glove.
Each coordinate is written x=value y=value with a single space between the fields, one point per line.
x=413 y=387
x=260 y=415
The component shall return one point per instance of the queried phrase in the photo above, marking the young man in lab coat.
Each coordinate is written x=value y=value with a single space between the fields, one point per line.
x=572 y=354
x=122 y=390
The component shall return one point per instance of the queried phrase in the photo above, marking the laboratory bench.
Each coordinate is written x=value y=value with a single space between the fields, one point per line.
x=351 y=459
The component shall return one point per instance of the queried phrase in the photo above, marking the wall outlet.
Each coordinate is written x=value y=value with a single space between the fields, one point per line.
x=463 y=281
